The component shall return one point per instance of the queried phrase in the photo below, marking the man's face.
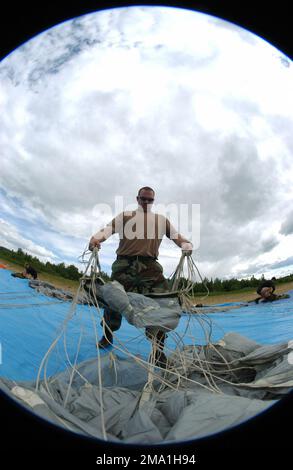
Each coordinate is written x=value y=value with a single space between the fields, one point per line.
x=146 y=199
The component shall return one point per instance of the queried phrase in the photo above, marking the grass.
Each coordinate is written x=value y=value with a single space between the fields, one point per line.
x=241 y=295
x=236 y=291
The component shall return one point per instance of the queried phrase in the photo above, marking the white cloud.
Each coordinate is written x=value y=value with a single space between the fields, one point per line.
x=287 y=225
x=197 y=108
x=12 y=239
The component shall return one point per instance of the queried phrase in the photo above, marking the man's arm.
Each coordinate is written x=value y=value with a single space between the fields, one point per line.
x=95 y=242
x=99 y=237
x=185 y=245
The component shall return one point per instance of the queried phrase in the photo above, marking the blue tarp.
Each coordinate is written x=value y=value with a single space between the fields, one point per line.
x=29 y=323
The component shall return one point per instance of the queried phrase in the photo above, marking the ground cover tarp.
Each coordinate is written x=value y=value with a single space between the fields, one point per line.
x=190 y=399
x=30 y=321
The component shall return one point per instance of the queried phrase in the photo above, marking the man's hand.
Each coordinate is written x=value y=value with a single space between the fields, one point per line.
x=186 y=249
x=187 y=252
x=94 y=243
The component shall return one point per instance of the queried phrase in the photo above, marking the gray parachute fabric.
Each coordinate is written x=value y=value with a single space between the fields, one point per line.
x=249 y=378
x=142 y=311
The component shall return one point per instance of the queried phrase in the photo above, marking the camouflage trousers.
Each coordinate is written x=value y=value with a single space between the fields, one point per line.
x=136 y=274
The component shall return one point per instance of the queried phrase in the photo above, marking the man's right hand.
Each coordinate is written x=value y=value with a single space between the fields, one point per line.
x=94 y=243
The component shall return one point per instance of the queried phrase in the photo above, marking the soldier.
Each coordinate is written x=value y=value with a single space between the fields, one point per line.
x=30 y=271
x=266 y=288
x=136 y=267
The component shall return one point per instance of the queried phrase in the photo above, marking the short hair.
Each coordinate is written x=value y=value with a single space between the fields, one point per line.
x=147 y=188
x=273 y=279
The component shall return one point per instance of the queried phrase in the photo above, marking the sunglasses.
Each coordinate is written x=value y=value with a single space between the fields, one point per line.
x=146 y=199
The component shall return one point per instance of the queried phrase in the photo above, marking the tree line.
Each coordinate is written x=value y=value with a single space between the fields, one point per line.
x=227 y=285
x=20 y=257
x=71 y=272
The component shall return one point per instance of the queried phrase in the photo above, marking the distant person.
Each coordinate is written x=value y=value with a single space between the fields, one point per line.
x=30 y=271
x=271 y=298
x=266 y=288
x=266 y=292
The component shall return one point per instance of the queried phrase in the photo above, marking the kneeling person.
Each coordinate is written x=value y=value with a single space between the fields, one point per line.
x=30 y=271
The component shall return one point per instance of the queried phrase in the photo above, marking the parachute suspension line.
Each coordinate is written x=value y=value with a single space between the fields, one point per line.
x=180 y=363
x=151 y=363
x=93 y=262
x=71 y=313
x=94 y=266
x=73 y=367
x=100 y=382
x=184 y=284
x=148 y=390
x=184 y=293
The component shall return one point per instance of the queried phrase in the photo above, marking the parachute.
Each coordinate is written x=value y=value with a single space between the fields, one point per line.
x=209 y=383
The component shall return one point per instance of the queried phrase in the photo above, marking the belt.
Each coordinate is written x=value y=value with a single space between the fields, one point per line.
x=138 y=257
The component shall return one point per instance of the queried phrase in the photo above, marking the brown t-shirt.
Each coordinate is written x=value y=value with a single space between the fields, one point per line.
x=140 y=232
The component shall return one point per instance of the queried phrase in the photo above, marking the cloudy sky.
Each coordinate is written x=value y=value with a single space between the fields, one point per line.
x=193 y=106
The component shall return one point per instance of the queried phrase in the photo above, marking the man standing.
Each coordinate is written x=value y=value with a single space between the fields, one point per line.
x=136 y=267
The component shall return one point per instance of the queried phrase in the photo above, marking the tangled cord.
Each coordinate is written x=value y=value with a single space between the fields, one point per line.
x=185 y=290
x=181 y=362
